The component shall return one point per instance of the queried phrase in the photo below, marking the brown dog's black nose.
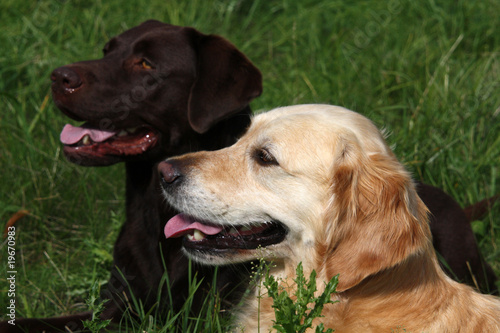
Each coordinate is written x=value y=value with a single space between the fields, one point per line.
x=169 y=173
x=65 y=79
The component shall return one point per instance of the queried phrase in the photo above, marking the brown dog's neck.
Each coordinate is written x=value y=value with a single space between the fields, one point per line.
x=144 y=201
x=141 y=174
x=227 y=131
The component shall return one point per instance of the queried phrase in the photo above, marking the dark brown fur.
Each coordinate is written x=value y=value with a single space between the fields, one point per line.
x=196 y=98
x=189 y=112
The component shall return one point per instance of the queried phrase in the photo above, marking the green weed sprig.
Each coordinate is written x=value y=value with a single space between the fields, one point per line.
x=96 y=305
x=297 y=315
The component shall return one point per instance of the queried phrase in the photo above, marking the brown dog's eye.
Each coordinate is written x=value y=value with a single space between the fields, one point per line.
x=265 y=158
x=146 y=64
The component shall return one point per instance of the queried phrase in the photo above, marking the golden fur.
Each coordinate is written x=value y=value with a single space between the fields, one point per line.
x=350 y=208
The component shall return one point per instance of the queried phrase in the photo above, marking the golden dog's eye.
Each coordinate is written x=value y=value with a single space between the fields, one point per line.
x=146 y=64
x=265 y=158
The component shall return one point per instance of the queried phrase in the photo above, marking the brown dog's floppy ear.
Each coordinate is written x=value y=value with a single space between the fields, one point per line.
x=226 y=82
x=375 y=221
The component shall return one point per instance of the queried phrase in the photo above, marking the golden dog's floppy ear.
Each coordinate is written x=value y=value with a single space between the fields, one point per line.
x=375 y=219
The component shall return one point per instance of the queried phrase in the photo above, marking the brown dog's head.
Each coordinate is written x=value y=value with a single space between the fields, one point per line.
x=156 y=88
x=315 y=184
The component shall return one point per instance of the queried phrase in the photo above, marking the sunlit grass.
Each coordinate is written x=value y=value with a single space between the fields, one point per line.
x=427 y=72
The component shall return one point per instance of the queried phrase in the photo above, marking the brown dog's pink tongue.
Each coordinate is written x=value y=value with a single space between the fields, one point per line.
x=71 y=134
x=181 y=224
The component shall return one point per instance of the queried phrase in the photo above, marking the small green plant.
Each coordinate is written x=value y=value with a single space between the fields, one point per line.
x=297 y=315
x=96 y=305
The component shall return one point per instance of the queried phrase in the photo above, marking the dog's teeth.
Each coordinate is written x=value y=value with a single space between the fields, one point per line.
x=86 y=140
x=233 y=231
x=132 y=130
x=198 y=235
x=246 y=228
x=122 y=133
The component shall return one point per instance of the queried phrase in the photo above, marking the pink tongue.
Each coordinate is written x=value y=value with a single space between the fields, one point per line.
x=181 y=224
x=71 y=134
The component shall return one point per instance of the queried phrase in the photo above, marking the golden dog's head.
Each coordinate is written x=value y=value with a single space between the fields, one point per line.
x=315 y=184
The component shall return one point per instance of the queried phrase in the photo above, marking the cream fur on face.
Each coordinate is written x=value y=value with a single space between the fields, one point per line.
x=317 y=184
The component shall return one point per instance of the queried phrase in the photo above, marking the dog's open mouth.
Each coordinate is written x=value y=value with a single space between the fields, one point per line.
x=208 y=236
x=92 y=146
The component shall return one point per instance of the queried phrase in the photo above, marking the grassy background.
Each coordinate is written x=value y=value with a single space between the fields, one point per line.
x=427 y=72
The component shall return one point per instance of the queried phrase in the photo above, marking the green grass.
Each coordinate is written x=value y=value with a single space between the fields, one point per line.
x=425 y=71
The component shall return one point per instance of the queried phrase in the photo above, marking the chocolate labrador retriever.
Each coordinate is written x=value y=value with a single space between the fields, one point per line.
x=162 y=90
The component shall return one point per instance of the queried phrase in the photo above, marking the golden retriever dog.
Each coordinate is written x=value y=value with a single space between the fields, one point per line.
x=318 y=185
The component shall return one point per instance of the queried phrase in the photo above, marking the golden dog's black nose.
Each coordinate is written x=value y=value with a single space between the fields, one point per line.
x=169 y=173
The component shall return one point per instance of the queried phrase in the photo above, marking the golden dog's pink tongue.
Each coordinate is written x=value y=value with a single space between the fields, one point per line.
x=181 y=224
x=71 y=134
